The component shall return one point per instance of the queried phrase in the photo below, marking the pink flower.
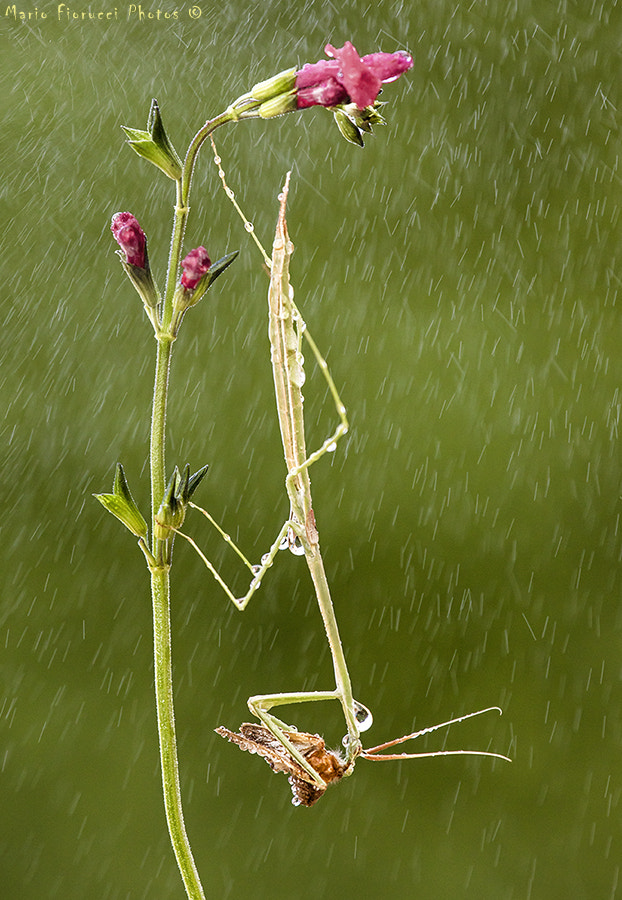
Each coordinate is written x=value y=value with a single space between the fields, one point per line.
x=348 y=78
x=194 y=266
x=131 y=239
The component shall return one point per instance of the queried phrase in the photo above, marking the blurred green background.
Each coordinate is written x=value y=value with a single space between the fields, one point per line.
x=462 y=276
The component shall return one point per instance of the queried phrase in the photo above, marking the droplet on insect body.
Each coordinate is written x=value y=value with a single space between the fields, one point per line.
x=296 y=547
x=284 y=545
x=332 y=447
x=265 y=559
x=363 y=716
x=255 y=570
x=249 y=227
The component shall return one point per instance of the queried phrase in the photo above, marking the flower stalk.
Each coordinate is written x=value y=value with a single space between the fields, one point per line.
x=344 y=83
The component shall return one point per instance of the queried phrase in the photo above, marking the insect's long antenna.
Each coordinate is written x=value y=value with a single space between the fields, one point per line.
x=373 y=752
x=385 y=757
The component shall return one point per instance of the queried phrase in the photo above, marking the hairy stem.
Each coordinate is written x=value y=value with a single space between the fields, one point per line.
x=158 y=433
x=162 y=549
x=160 y=589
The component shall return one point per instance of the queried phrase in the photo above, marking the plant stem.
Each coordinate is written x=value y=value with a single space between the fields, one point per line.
x=158 y=431
x=160 y=590
x=182 y=209
x=162 y=549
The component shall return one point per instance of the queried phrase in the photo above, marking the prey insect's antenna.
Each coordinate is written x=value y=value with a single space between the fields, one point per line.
x=373 y=752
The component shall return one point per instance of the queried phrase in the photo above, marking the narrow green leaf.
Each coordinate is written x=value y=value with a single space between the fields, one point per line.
x=121 y=504
x=124 y=512
x=195 y=480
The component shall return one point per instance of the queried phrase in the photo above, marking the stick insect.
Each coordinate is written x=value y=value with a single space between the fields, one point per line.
x=304 y=757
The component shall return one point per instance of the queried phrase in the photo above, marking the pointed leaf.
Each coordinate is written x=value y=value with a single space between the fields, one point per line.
x=121 y=504
x=209 y=278
x=134 y=134
x=195 y=480
x=159 y=135
x=124 y=512
x=220 y=265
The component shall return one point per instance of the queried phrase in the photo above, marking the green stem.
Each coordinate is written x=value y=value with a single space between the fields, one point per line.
x=182 y=209
x=158 y=432
x=195 y=145
x=160 y=590
x=162 y=549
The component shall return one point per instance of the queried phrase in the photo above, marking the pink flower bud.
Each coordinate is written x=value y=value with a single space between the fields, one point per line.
x=346 y=78
x=131 y=239
x=194 y=266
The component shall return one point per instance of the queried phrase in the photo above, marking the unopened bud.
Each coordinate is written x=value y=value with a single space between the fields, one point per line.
x=273 y=87
x=278 y=106
x=134 y=257
x=194 y=266
x=131 y=238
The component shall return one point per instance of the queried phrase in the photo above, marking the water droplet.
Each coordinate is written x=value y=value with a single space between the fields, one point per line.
x=363 y=716
x=284 y=543
x=265 y=559
x=255 y=570
x=249 y=227
x=332 y=447
x=296 y=547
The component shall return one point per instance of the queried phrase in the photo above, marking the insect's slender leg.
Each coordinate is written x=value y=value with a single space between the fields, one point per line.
x=226 y=537
x=258 y=571
x=259 y=706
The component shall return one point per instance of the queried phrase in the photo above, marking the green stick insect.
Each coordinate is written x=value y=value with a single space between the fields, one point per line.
x=304 y=757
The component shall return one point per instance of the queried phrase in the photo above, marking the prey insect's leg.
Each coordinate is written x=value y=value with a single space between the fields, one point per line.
x=259 y=706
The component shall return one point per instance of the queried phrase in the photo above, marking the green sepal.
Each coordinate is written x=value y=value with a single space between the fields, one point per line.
x=354 y=122
x=172 y=511
x=195 y=480
x=154 y=144
x=347 y=128
x=278 y=106
x=183 y=298
x=273 y=87
x=142 y=279
x=179 y=490
x=212 y=274
x=121 y=504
